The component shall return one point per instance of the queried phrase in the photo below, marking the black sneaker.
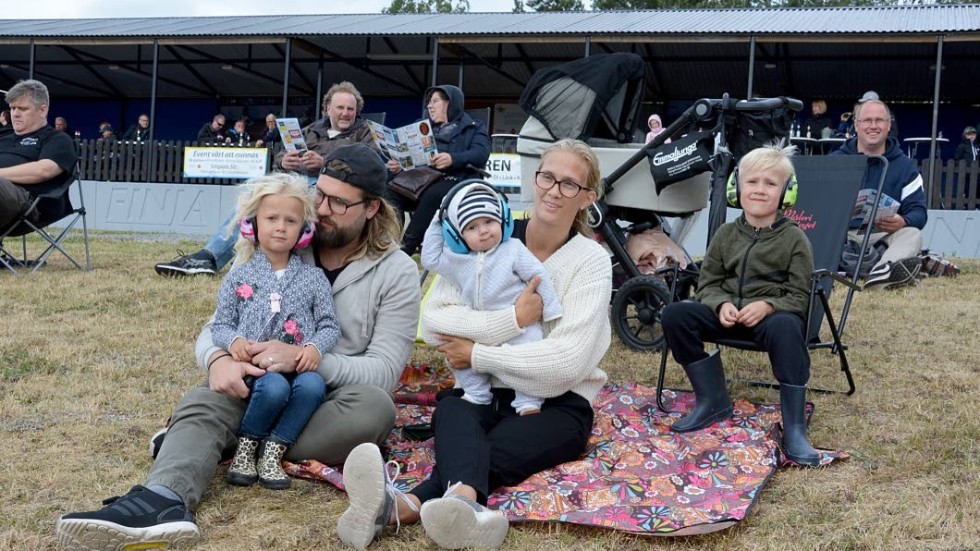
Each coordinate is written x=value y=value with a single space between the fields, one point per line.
x=201 y=262
x=141 y=519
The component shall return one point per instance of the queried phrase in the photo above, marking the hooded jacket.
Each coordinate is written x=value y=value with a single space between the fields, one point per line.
x=463 y=137
x=902 y=182
x=745 y=264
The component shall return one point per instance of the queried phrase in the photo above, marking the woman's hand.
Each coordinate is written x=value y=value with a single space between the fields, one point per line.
x=442 y=161
x=275 y=356
x=458 y=351
x=227 y=376
x=529 y=308
x=393 y=166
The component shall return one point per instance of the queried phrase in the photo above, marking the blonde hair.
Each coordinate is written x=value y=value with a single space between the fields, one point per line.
x=593 y=178
x=251 y=196
x=769 y=157
x=821 y=106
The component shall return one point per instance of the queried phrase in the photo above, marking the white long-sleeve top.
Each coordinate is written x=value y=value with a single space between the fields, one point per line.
x=568 y=357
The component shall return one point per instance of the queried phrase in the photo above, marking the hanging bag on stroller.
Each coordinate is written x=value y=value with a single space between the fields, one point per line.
x=681 y=159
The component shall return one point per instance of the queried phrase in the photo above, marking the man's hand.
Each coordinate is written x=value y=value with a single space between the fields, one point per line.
x=458 y=351
x=292 y=161
x=312 y=161
x=891 y=224
x=727 y=314
x=529 y=307
x=752 y=314
x=275 y=356
x=227 y=376
x=442 y=161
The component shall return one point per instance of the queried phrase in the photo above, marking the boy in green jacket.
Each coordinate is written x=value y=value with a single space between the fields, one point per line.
x=754 y=285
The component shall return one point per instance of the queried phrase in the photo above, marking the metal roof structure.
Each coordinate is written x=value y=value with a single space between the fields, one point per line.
x=805 y=52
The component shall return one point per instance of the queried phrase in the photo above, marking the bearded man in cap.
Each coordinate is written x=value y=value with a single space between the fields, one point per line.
x=376 y=294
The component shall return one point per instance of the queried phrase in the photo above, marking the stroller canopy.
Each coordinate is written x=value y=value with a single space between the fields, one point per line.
x=594 y=97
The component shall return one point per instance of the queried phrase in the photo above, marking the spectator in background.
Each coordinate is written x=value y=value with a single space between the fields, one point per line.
x=139 y=132
x=902 y=232
x=656 y=128
x=106 y=133
x=214 y=131
x=238 y=134
x=845 y=129
x=815 y=125
x=5 y=121
x=34 y=158
x=61 y=125
x=271 y=133
x=967 y=150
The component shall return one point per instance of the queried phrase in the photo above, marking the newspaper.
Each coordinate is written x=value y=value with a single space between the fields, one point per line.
x=292 y=134
x=887 y=207
x=411 y=145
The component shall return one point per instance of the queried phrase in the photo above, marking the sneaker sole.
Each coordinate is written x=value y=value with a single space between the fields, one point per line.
x=454 y=524
x=911 y=268
x=365 y=484
x=99 y=535
x=174 y=271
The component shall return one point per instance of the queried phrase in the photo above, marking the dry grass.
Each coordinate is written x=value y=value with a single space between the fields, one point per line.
x=91 y=364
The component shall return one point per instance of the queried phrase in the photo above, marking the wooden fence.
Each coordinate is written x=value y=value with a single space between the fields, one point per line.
x=954 y=184
x=125 y=161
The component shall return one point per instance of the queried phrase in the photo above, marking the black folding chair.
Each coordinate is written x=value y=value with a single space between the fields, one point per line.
x=828 y=189
x=378 y=117
x=24 y=226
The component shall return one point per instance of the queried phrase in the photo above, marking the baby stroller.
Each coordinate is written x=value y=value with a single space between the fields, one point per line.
x=597 y=99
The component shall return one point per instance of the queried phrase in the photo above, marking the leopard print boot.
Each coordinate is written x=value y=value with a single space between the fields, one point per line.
x=271 y=474
x=242 y=470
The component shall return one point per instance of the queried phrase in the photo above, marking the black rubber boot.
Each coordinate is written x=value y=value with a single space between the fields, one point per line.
x=713 y=404
x=792 y=402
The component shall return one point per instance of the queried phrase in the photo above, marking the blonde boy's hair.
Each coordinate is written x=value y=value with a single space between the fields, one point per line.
x=769 y=157
x=256 y=189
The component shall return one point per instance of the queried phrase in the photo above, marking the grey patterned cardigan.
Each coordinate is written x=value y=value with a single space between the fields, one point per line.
x=246 y=306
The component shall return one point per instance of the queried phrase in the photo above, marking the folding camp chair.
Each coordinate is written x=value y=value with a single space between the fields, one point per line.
x=828 y=189
x=24 y=226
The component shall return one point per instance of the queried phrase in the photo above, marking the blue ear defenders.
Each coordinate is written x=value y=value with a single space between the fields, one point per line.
x=786 y=200
x=453 y=236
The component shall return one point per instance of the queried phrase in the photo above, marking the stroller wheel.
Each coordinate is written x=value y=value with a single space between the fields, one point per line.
x=636 y=310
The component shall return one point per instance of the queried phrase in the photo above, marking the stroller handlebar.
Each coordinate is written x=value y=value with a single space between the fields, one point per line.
x=761 y=104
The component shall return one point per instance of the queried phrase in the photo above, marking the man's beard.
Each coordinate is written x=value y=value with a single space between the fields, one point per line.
x=334 y=237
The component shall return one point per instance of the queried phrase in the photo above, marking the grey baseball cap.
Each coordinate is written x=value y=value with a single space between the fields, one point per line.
x=367 y=170
x=868 y=96
x=969 y=130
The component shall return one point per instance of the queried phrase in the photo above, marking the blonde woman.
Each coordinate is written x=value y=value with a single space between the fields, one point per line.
x=479 y=448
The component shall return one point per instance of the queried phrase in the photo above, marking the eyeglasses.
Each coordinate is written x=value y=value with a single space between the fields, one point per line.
x=337 y=205
x=869 y=122
x=546 y=180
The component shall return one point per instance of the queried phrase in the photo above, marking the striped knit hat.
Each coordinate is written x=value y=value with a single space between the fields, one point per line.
x=472 y=202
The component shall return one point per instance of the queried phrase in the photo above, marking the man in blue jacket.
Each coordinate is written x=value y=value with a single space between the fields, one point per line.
x=902 y=232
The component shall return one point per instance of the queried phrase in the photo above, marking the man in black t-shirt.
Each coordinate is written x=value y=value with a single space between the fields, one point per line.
x=34 y=158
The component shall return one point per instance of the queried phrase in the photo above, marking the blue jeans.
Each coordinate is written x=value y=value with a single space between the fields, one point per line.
x=222 y=244
x=286 y=403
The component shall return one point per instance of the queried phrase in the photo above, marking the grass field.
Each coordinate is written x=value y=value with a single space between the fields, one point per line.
x=91 y=364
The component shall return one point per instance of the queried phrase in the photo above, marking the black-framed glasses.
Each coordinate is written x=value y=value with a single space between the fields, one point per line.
x=546 y=180
x=337 y=205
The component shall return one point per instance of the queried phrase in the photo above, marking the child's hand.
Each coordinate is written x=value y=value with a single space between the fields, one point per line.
x=308 y=359
x=239 y=350
x=728 y=314
x=755 y=312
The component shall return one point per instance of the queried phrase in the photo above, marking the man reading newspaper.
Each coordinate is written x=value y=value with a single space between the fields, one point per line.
x=899 y=265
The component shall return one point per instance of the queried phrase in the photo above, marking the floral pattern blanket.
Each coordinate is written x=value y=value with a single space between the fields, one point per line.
x=636 y=475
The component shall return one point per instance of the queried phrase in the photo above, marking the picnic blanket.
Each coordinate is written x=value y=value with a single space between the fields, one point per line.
x=636 y=475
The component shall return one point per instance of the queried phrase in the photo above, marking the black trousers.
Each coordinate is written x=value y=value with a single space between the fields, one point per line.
x=422 y=211
x=490 y=446
x=687 y=325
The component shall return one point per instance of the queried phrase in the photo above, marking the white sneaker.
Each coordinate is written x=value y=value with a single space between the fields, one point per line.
x=456 y=522
x=371 y=494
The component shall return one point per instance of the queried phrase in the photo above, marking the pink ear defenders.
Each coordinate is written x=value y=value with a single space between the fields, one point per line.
x=453 y=236
x=248 y=228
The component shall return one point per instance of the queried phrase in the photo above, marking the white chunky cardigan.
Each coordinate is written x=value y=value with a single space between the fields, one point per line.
x=569 y=355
